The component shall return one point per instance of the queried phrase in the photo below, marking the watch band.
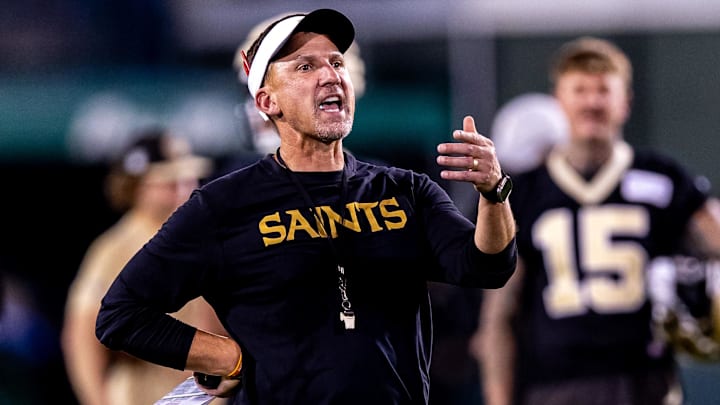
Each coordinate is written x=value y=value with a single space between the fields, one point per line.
x=500 y=192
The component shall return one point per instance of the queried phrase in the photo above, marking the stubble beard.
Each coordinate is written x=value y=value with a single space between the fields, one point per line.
x=333 y=131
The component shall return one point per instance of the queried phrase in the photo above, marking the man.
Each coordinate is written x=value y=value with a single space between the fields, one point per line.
x=573 y=326
x=153 y=176
x=315 y=262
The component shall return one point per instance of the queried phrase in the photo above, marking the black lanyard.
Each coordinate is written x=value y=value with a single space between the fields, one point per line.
x=347 y=315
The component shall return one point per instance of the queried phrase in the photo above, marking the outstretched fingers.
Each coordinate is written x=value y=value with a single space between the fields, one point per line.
x=471 y=158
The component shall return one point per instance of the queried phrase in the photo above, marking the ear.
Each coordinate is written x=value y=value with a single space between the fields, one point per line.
x=265 y=102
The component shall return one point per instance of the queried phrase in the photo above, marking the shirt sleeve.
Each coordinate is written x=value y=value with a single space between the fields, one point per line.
x=452 y=238
x=161 y=278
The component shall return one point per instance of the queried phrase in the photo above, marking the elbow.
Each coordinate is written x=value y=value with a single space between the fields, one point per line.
x=103 y=334
x=503 y=267
x=495 y=270
x=500 y=279
x=107 y=329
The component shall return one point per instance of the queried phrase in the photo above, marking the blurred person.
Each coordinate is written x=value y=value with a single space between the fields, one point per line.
x=574 y=324
x=153 y=176
x=316 y=262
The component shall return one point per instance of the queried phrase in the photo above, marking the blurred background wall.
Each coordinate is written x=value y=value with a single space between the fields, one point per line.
x=76 y=76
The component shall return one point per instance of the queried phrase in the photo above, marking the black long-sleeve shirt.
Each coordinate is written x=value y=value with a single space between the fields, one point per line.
x=249 y=243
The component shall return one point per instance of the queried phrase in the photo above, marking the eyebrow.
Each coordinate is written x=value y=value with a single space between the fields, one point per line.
x=300 y=57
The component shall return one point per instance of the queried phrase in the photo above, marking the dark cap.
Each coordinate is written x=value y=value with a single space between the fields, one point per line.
x=164 y=157
x=331 y=23
x=325 y=21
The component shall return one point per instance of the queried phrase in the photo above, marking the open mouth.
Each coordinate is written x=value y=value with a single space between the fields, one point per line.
x=331 y=104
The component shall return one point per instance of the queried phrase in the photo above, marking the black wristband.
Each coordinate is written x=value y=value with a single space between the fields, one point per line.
x=207 y=380
x=500 y=192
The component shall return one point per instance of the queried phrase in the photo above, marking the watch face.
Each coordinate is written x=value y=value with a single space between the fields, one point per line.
x=501 y=192
x=505 y=188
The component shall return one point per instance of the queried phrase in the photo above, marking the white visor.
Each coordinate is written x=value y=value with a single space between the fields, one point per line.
x=272 y=43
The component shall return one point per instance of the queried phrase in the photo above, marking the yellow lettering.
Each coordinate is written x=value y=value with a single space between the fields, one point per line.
x=299 y=223
x=335 y=218
x=366 y=208
x=353 y=223
x=275 y=232
x=266 y=228
x=398 y=215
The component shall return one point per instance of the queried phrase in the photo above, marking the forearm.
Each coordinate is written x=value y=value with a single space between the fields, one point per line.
x=86 y=360
x=495 y=341
x=213 y=354
x=494 y=226
x=497 y=366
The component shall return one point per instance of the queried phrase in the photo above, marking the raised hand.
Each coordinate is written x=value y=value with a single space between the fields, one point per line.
x=471 y=159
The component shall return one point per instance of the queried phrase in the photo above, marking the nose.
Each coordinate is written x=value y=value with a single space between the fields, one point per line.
x=596 y=98
x=329 y=75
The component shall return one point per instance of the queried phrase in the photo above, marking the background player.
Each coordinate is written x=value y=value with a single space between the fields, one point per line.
x=577 y=315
